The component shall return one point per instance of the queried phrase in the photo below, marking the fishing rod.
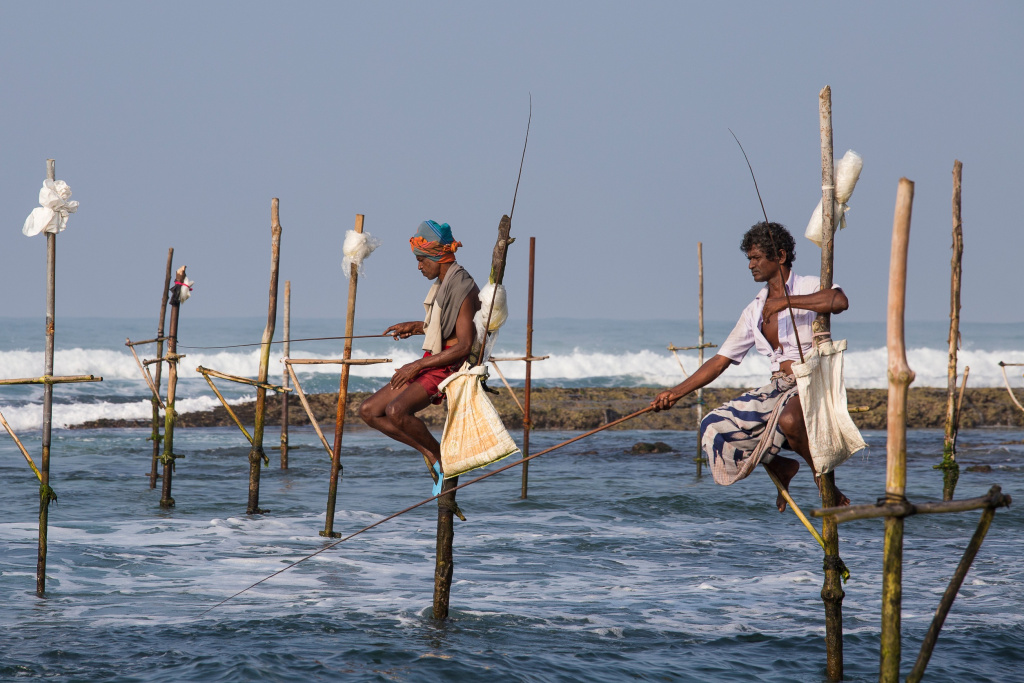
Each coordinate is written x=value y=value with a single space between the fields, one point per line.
x=236 y=346
x=445 y=493
x=490 y=311
x=785 y=290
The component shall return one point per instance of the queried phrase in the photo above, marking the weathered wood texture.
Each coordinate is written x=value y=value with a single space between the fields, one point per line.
x=529 y=368
x=44 y=485
x=950 y=468
x=339 y=412
x=284 y=379
x=900 y=377
x=256 y=453
x=832 y=588
x=170 y=415
x=157 y=403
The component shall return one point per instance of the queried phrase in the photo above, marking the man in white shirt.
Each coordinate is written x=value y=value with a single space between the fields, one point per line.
x=753 y=428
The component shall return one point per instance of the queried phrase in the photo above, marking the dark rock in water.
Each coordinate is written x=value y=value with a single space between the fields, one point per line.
x=644 y=447
x=979 y=468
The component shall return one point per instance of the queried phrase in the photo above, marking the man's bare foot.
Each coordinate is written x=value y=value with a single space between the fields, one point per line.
x=841 y=499
x=784 y=470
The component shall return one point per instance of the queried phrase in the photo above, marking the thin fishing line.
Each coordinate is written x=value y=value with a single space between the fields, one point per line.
x=237 y=346
x=443 y=493
x=775 y=248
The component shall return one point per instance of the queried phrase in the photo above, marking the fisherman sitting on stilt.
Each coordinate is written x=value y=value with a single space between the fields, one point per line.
x=753 y=428
x=450 y=305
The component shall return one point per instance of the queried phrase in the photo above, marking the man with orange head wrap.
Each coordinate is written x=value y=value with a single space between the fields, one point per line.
x=450 y=305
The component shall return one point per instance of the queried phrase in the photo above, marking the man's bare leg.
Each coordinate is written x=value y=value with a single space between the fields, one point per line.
x=393 y=413
x=791 y=422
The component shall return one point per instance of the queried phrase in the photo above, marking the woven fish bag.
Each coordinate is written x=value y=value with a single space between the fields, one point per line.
x=474 y=435
x=830 y=431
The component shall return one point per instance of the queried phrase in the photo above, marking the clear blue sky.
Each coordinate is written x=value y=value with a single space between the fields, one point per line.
x=175 y=124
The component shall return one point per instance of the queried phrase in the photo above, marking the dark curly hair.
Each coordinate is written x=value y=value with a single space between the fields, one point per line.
x=761 y=235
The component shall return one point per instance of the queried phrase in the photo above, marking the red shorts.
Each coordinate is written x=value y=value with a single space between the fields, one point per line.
x=431 y=377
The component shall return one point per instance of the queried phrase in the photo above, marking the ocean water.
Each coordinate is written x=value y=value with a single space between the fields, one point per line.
x=582 y=353
x=617 y=567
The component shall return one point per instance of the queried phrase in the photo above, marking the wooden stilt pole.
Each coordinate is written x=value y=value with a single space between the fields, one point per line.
x=832 y=589
x=700 y=350
x=527 y=426
x=900 y=377
x=156 y=378
x=339 y=424
x=950 y=468
x=256 y=454
x=284 y=380
x=45 y=492
x=170 y=415
x=446 y=505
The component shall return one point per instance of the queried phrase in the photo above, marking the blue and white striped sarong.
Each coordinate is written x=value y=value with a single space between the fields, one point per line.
x=745 y=431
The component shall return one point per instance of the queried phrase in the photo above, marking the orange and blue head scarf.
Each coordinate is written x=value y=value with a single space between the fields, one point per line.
x=435 y=242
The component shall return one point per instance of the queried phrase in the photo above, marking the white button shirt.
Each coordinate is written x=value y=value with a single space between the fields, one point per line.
x=747 y=332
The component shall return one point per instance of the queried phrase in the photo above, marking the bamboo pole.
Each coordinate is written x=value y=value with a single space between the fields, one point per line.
x=149 y=382
x=832 y=589
x=446 y=505
x=228 y=408
x=959 y=406
x=21 y=447
x=284 y=378
x=339 y=424
x=51 y=380
x=157 y=403
x=527 y=424
x=951 y=591
x=700 y=351
x=949 y=466
x=508 y=386
x=170 y=415
x=45 y=492
x=309 y=411
x=256 y=454
x=240 y=380
x=900 y=377
x=337 y=361
x=904 y=508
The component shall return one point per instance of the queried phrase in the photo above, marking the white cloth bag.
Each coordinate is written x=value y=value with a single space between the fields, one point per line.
x=830 y=431
x=474 y=435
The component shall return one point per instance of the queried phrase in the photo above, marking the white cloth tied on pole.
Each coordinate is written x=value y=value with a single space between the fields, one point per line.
x=492 y=318
x=830 y=430
x=185 y=291
x=474 y=435
x=358 y=245
x=847 y=173
x=53 y=211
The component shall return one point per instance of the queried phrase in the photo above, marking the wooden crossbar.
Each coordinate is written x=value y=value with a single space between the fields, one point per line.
x=241 y=380
x=309 y=411
x=673 y=347
x=532 y=359
x=994 y=499
x=335 y=361
x=50 y=379
x=145 y=374
x=227 y=407
x=129 y=343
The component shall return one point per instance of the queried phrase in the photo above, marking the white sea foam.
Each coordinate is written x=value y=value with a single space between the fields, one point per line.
x=29 y=416
x=864 y=369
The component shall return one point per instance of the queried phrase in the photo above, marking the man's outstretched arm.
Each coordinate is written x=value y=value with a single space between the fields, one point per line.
x=705 y=374
x=404 y=330
x=826 y=301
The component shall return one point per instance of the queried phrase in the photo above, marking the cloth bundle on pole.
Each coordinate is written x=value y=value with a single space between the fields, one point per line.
x=357 y=246
x=52 y=214
x=474 y=435
x=847 y=174
x=832 y=436
x=493 y=314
